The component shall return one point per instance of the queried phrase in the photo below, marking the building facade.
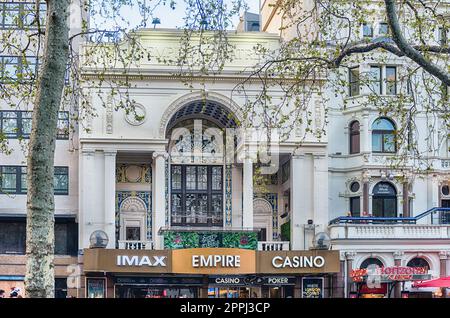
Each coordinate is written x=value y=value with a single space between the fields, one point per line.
x=184 y=218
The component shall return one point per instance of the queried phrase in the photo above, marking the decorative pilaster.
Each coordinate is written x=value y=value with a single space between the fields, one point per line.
x=443 y=261
x=350 y=257
x=86 y=188
x=247 y=215
x=365 y=180
x=159 y=197
x=298 y=188
x=110 y=196
x=228 y=195
x=398 y=256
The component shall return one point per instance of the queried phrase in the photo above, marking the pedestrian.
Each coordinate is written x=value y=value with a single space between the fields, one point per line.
x=2 y=293
x=14 y=293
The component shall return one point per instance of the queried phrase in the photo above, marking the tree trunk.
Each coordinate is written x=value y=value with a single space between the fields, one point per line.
x=39 y=280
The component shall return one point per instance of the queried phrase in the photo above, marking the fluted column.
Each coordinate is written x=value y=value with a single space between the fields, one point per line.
x=298 y=189
x=159 y=197
x=110 y=196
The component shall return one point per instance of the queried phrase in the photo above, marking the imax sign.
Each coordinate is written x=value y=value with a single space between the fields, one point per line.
x=153 y=261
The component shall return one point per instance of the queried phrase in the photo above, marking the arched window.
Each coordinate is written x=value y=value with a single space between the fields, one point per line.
x=354 y=137
x=383 y=136
x=418 y=262
x=371 y=261
x=384 y=200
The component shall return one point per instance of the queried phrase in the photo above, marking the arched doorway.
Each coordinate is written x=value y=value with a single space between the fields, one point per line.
x=372 y=287
x=262 y=219
x=384 y=200
x=133 y=211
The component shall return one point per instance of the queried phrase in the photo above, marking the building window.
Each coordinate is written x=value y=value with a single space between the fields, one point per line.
x=445 y=190
x=13 y=180
x=391 y=80
x=383 y=136
x=17 y=124
x=384 y=200
x=367 y=30
x=354 y=137
x=355 y=206
x=17 y=15
x=375 y=79
x=383 y=29
x=354 y=81
x=61 y=287
x=371 y=261
x=13 y=68
x=197 y=195
x=285 y=171
x=13 y=235
x=418 y=262
x=442 y=36
x=66 y=236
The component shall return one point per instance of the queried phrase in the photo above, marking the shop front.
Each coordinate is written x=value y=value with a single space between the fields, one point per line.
x=208 y=272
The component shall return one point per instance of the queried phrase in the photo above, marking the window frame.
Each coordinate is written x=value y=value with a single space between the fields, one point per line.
x=383 y=133
x=389 y=82
x=20 y=117
x=353 y=134
x=19 y=174
x=183 y=192
x=354 y=82
x=21 y=13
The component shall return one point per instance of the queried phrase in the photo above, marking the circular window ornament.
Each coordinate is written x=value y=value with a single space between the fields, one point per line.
x=354 y=187
x=137 y=116
x=445 y=190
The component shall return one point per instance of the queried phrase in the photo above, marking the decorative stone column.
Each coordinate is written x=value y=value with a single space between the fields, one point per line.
x=398 y=256
x=350 y=257
x=443 y=261
x=87 y=187
x=247 y=213
x=320 y=192
x=365 y=180
x=159 y=197
x=406 y=183
x=339 y=279
x=297 y=204
x=110 y=196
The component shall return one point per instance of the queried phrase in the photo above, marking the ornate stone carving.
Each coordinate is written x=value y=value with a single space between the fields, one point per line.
x=136 y=117
x=133 y=204
x=109 y=115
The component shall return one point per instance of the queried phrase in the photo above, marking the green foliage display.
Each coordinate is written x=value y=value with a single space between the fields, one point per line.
x=179 y=239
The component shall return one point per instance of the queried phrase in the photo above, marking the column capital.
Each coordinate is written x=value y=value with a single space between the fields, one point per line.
x=365 y=176
x=350 y=255
x=110 y=152
x=444 y=254
x=88 y=152
x=163 y=154
x=398 y=255
x=297 y=155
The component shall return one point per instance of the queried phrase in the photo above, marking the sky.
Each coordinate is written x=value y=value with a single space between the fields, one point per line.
x=169 y=18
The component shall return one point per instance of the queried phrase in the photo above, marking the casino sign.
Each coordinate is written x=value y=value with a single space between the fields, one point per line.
x=390 y=274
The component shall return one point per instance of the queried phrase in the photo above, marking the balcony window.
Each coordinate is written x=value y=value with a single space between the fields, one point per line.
x=391 y=80
x=354 y=137
x=383 y=136
x=197 y=195
x=355 y=206
x=384 y=200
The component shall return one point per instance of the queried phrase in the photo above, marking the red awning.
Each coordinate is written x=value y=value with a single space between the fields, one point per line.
x=438 y=282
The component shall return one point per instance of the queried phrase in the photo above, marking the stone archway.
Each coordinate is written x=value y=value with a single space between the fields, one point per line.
x=182 y=101
x=133 y=223
x=262 y=218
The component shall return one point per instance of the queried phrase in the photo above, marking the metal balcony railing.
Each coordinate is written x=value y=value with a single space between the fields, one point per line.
x=135 y=245
x=434 y=215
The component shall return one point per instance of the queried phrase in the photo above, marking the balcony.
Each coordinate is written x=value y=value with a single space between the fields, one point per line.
x=389 y=231
x=273 y=246
x=135 y=245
